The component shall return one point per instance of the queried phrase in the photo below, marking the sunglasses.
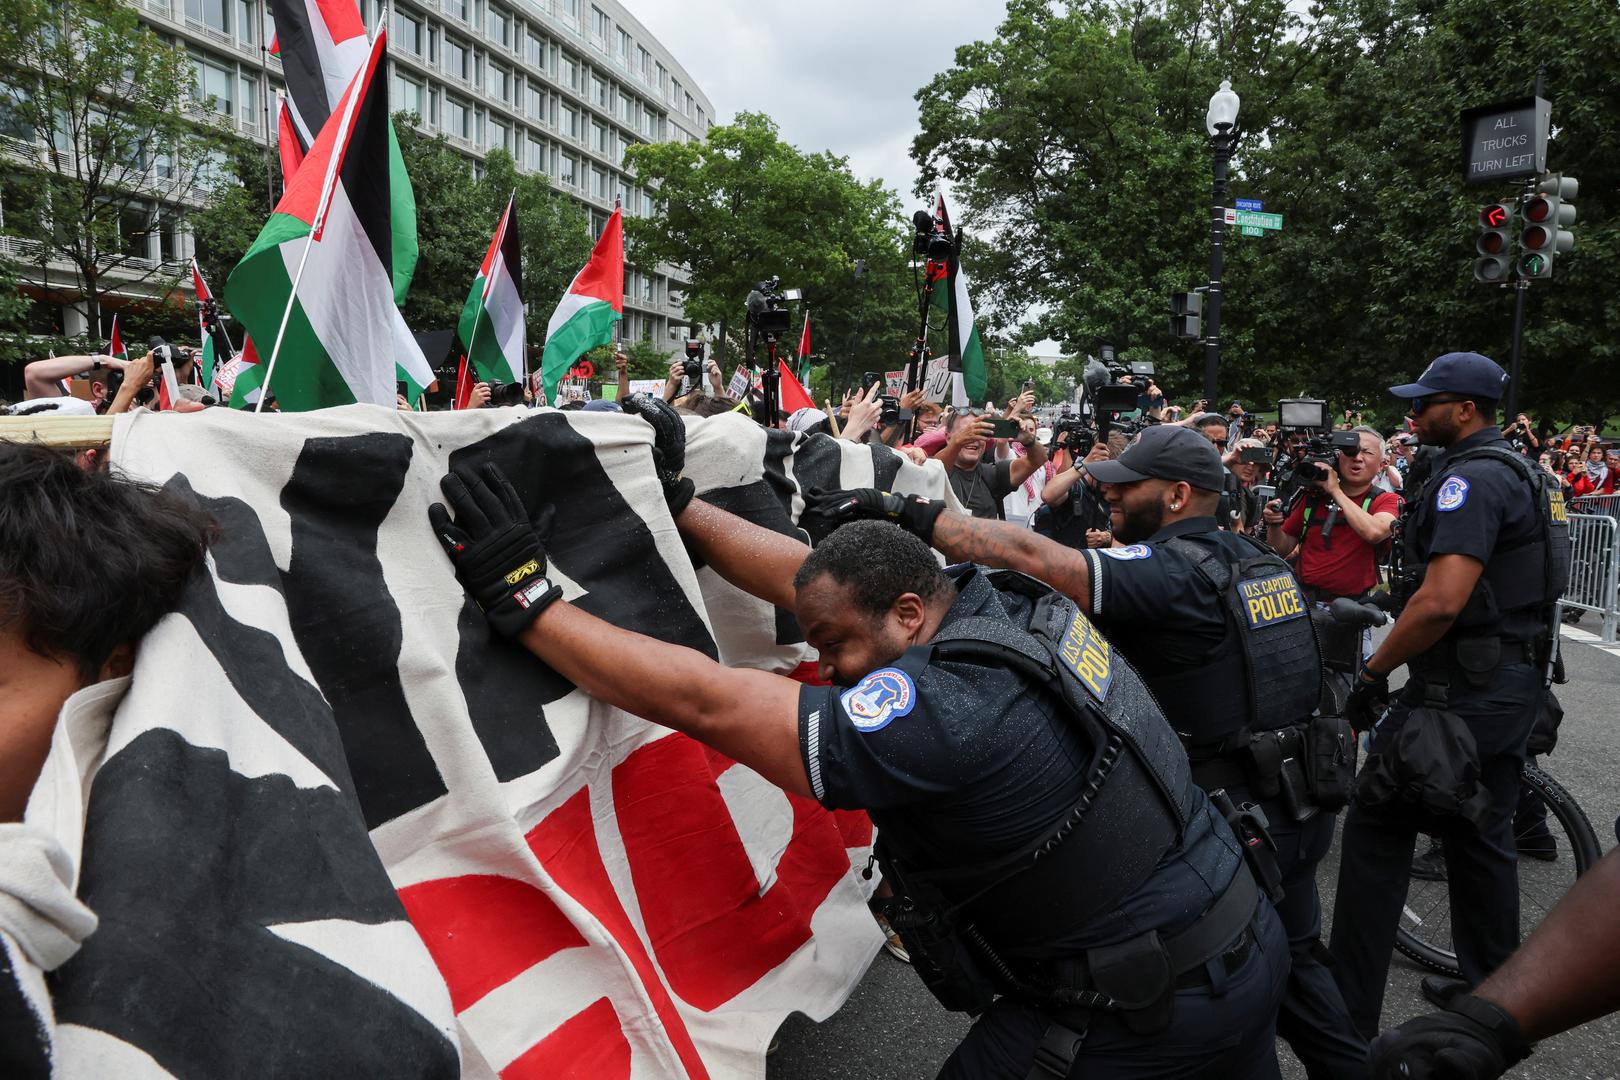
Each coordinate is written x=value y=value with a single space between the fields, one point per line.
x=1221 y=443
x=1421 y=403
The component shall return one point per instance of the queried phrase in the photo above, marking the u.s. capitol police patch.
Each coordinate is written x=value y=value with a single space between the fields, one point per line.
x=1452 y=494
x=880 y=697
x=1128 y=552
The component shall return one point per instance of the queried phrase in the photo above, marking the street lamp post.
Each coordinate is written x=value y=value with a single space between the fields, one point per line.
x=1220 y=123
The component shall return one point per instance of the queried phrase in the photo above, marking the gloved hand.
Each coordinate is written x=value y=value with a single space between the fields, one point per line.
x=912 y=513
x=669 y=447
x=1472 y=1039
x=1368 y=699
x=498 y=553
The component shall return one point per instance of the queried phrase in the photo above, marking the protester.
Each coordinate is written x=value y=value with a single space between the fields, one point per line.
x=980 y=485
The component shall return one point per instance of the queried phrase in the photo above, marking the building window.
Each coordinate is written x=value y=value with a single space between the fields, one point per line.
x=643 y=63
x=455 y=58
x=457 y=117
x=498 y=81
x=534 y=52
x=569 y=172
x=456 y=8
x=214 y=86
x=570 y=122
x=569 y=72
x=686 y=108
x=249 y=101
x=599 y=183
x=499 y=25
x=534 y=102
x=624 y=47
x=662 y=77
x=600 y=26
x=675 y=92
x=599 y=92
x=214 y=13
x=535 y=157
x=647 y=288
x=702 y=120
x=245 y=22
x=599 y=139
x=407 y=33
x=570 y=10
x=406 y=95
x=497 y=135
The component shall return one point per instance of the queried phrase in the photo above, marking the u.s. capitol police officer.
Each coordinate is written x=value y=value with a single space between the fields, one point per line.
x=1219 y=630
x=1486 y=545
x=1002 y=749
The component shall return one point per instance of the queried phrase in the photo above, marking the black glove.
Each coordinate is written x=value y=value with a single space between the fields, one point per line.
x=1368 y=699
x=498 y=553
x=669 y=447
x=912 y=513
x=1471 y=1040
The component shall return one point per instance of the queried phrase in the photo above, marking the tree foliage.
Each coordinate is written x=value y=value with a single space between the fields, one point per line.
x=742 y=206
x=1076 y=141
x=104 y=107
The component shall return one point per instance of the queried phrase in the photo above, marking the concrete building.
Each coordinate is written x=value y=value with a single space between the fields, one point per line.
x=564 y=85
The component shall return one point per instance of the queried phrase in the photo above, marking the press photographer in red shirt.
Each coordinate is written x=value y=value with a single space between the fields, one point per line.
x=1339 y=526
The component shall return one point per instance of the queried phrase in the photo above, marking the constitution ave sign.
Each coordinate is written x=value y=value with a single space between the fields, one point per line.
x=1507 y=141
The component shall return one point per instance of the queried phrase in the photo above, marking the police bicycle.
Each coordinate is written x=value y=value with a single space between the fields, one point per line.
x=1424 y=934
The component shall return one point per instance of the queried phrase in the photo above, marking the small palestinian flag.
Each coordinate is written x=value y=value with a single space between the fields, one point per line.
x=804 y=350
x=168 y=394
x=492 y=324
x=228 y=379
x=593 y=303
x=115 y=343
x=216 y=343
x=336 y=337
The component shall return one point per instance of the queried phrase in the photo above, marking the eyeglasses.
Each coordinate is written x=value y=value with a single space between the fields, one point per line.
x=1220 y=443
x=1421 y=403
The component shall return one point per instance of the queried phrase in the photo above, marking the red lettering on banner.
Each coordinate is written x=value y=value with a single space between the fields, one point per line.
x=483 y=930
x=566 y=845
x=714 y=934
x=590 y=1045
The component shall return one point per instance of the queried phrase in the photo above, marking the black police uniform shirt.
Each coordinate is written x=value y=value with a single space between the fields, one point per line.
x=1154 y=604
x=981 y=488
x=1477 y=508
x=973 y=762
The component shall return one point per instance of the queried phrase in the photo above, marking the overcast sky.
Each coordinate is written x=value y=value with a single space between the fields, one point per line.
x=835 y=75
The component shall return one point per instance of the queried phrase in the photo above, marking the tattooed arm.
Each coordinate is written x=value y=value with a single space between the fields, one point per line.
x=1012 y=547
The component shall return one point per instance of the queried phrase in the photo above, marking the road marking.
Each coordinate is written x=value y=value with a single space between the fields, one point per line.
x=1586 y=637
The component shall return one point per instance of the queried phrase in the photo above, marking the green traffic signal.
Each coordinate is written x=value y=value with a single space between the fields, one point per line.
x=1535 y=266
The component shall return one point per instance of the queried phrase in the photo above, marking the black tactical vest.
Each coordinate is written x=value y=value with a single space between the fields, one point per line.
x=1527 y=578
x=1133 y=809
x=1267 y=673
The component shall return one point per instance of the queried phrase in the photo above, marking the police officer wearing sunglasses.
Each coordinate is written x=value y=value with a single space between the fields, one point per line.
x=1484 y=555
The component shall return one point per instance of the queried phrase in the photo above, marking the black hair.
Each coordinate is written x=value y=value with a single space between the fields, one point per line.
x=572 y=406
x=878 y=562
x=89 y=560
x=1484 y=406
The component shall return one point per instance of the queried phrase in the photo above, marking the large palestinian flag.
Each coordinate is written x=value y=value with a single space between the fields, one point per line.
x=492 y=325
x=337 y=338
x=593 y=303
x=322 y=44
x=964 y=348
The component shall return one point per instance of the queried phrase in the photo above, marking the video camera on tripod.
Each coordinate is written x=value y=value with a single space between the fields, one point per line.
x=768 y=319
x=1111 y=391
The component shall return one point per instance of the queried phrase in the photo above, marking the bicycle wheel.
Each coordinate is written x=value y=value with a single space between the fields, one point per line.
x=1425 y=931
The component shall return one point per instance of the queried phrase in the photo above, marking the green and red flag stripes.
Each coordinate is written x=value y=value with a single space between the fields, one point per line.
x=804 y=350
x=318 y=282
x=965 y=349
x=216 y=343
x=593 y=303
x=492 y=325
x=115 y=343
x=235 y=383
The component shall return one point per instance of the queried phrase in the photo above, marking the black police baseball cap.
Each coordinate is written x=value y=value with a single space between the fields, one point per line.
x=1458 y=373
x=1168 y=452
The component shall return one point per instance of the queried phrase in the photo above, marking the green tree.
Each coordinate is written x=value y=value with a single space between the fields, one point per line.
x=743 y=206
x=107 y=105
x=235 y=207
x=556 y=232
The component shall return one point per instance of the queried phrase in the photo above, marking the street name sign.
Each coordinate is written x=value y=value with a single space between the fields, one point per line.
x=1254 y=205
x=1259 y=221
x=1506 y=141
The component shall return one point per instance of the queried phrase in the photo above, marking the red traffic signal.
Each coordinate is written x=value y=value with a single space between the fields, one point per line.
x=1495 y=216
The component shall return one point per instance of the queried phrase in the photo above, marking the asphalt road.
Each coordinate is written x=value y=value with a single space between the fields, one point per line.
x=892 y=1029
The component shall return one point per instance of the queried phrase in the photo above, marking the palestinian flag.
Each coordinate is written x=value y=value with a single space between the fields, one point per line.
x=492 y=325
x=593 y=303
x=229 y=377
x=804 y=350
x=317 y=283
x=965 y=350
x=937 y=272
x=791 y=394
x=288 y=146
x=168 y=391
x=464 y=385
x=322 y=44
x=115 y=343
x=216 y=343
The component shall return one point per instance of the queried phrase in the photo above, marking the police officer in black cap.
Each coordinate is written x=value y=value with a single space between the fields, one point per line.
x=1220 y=631
x=1055 y=870
x=1484 y=556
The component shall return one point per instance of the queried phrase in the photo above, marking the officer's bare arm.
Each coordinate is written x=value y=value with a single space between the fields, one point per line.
x=1429 y=614
x=1001 y=544
x=1565 y=974
x=756 y=560
x=750 y=716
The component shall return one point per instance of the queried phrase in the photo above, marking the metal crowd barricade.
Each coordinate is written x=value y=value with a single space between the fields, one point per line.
x=1594 y=572
x=1597 y=504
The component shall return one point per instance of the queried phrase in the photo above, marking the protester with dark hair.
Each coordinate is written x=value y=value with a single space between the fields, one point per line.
x=1157 y=950
x=89 y=562
x=1487 y=548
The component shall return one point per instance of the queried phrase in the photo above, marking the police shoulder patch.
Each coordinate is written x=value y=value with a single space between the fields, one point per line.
x=1129 y=552
x=879 y=698
x=1452 y=494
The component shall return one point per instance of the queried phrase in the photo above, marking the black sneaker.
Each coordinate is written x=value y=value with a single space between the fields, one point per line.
x=1431 y=864
x=1440 y=989
x=1538 y=844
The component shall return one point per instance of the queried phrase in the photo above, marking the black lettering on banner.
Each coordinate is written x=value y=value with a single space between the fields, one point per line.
x=818 y=464
x=598 y=543
x=24 y=1042
x=885 y=467
x=768 y=503
x=187 y=863
x=346 y=624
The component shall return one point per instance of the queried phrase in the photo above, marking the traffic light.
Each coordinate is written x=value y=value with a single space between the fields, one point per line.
x=1187 y=314
x=1494 y=244
x=1546 y=212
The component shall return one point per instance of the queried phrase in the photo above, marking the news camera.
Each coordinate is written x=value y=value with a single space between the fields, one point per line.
x=1073 y=432
x=768 y=314
x=505 y=393
x=930 y=241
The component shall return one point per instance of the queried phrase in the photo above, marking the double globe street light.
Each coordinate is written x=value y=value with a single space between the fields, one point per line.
x=1221 y=123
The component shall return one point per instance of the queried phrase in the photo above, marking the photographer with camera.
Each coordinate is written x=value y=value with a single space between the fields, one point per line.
x=1077 y=513
x=980 y=485
x=1340 y=523
x=686 y=374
